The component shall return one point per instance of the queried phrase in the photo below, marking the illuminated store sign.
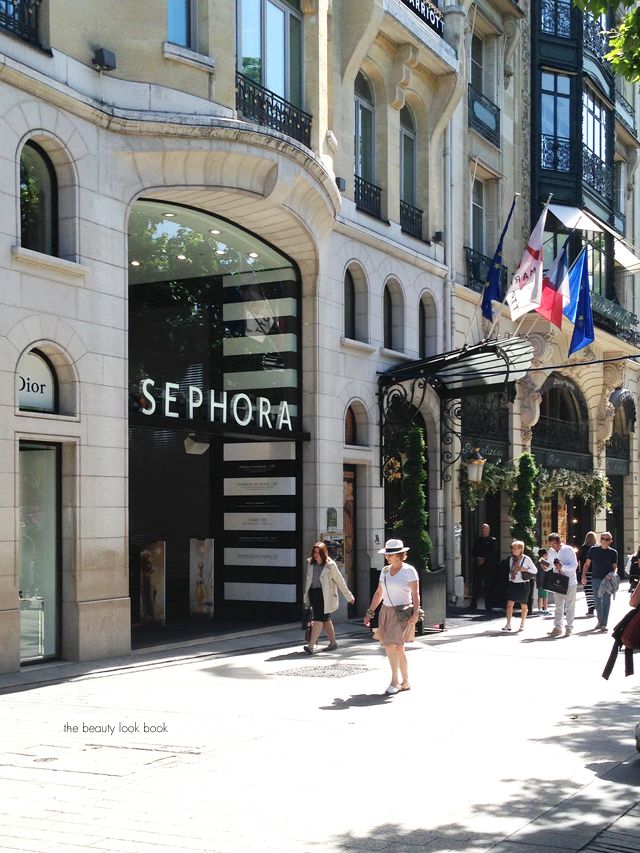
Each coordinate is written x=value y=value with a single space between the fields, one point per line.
x=221 y=407
x=36 y=384
x=428 y=12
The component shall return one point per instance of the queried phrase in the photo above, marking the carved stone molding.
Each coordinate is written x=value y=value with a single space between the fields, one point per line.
x=542 y=343
x=530 y=398
x=406 y=61
x=613 y=375
x=512 y=33
x=330 y=143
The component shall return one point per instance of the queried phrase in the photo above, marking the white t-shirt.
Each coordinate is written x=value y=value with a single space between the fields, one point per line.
x=567 y=556
x=399 y=591
x=527 y=565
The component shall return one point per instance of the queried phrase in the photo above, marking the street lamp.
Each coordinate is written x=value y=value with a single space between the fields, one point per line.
x=475 y=463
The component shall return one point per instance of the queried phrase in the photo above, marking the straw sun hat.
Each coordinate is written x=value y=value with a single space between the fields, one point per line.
x=393 y=546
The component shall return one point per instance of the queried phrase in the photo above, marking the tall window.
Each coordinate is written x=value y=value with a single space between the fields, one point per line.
x=555 y=122
x=477 y=63
x=38 y=201
x=181 y=23
x=364 y=148
x=350 y=427
x=597 y=262
x=594 y=125
x=407 y=157
x=555 y=17
x=270 y=46
x=349 y=306
x=477 y=217
x=387 y=318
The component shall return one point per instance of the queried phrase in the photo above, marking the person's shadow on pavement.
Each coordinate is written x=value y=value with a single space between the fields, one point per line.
x=358 y=700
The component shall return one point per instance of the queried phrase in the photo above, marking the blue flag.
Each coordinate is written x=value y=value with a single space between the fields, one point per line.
x=575 y=274
x=583 y=333
x=492 y=287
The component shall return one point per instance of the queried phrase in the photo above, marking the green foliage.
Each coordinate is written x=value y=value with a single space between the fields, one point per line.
x=523 y=506
x=414 y=519
x=593 y=486
x=624 y=42
x=496 y=478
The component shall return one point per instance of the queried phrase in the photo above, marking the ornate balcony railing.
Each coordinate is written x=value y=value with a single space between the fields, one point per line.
x=626 y=113
x=620 y=222
x=555 y=18
x=618 y=446
x=368 y=197
x=556 y=434
x=555 y=153
x=484 y=116
x=594 y=36
x=613 y=318
x=18 y=19
x=411 y=219
x=597 y=173
x=477 y=269
x=258 y=104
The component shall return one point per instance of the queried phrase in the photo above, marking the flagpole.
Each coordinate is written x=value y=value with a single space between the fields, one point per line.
x=499 y=313
x=516 y=196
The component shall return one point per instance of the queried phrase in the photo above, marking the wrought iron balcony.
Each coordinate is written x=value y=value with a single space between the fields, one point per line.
x=615 y=319
x=477 y=269
x=594 y=36
x=618 y=446
x=625 y=113
x=555 y=18
x=18 y=19
x=368 y=197
x=484 y=116
x=555 y=153
x=256 y=103
x=411 y=219
x=596 y=173
x=557 y=434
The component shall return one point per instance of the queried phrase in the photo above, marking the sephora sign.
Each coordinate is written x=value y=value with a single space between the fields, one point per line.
x=221 y=407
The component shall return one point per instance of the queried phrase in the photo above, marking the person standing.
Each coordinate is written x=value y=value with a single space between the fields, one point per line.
x=601 y=559
x=322 y=581
x=521 y=570
x=589 y=540
x=398 y=588
x=485 y=560
x=565 y=605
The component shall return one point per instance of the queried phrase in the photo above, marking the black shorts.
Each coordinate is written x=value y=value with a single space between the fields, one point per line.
x=317 y=602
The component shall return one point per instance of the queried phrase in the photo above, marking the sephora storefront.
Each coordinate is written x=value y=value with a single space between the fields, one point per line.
x=214 y=438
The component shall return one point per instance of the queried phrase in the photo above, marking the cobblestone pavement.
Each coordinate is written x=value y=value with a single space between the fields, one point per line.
x=506 y=742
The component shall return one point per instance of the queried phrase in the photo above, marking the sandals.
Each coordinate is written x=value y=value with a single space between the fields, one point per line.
x=507 y=628
x=392 y=689
x=405 y=686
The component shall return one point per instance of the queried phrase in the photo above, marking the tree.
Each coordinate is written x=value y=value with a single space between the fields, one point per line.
x=624 y=41
x=523 y=508
x=414 y=519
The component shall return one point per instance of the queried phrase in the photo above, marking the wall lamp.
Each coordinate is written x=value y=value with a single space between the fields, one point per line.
x=475 y=463
x=196 y=445
x=104 y=60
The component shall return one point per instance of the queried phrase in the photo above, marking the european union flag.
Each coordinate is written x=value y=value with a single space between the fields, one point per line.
x=492 y=287
x=583 y=333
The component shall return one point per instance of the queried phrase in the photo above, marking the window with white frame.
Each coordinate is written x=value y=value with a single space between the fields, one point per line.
x=270 y=46
x=478 y=227
x=477 y=63
x=407 y=157
x=364 y=130
x=595 y=116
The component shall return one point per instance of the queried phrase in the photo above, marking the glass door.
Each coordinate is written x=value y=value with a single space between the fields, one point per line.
x=39 y=550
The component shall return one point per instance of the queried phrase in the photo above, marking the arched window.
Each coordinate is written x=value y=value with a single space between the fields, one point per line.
x=393 y=316
x=364 y=130
x=407 y=157
x=349 y=306
x=350 y=427
x=37 y=383
x=38 y=201
x=387 y=318
x=427 y=327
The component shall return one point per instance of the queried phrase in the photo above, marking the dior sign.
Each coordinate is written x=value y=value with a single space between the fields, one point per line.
x=221 y=407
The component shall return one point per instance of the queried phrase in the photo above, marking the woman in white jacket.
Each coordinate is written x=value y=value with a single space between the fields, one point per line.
x=322 y=581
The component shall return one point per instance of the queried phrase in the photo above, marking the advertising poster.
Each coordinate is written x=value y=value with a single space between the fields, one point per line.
x=152 y=582
x=201 y=577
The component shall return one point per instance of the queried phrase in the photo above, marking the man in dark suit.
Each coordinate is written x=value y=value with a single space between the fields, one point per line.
x=485 y=564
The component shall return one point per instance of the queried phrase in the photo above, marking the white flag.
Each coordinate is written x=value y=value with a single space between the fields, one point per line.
x=525 y=292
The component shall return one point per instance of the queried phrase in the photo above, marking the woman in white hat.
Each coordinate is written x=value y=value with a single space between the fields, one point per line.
x=398 y=591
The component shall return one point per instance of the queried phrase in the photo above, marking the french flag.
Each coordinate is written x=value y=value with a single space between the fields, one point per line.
x=555 y=293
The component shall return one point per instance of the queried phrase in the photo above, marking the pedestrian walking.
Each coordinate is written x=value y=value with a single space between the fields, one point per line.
x=400 y=596
x=589 y=541
x=566 y=564
x=322 y=581
x=634 y=570
x=543 y=595
x=485 y=561
x=521 y=570
x=601 y=559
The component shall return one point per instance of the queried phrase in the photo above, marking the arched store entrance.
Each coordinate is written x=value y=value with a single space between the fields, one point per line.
x=214 y=423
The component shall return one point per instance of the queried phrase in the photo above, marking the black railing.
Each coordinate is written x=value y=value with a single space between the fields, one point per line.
x=556 y=434
x=626 y=113
x=596 y=173
x=484 y=116
x=555 y=18
x=368 y=197
x=594 y=37
x=620 y=222
x=618 y=446
x=615 y=319
x=477 y=269
x=411 y=219
x=256 y=103
x=555 y=153
x=16 y=18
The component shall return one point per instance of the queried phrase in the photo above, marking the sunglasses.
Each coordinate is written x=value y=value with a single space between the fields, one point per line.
x=605 y=539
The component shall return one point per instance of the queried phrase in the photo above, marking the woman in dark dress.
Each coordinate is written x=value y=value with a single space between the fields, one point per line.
x=589 y=540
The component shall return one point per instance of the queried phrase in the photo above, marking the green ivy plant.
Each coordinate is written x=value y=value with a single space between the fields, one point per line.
x=590 y=486
x=496 y=477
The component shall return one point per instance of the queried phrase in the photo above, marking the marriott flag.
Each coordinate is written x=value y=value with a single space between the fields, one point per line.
x=525 y=292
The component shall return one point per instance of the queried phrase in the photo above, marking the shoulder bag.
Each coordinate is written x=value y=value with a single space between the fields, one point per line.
x=403 y=611
x=555 y=582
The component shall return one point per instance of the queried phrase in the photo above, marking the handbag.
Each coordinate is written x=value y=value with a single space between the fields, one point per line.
x=555 y=582
x=404 y=611
x=307 y=618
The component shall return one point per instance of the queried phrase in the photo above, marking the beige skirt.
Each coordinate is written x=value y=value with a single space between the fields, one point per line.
x=391 y=631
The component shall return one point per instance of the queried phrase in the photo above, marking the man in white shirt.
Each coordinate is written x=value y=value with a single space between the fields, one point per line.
x=569 y=564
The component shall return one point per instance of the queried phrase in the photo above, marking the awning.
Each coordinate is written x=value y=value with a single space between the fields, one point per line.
x=574 y=217
x=477 y=369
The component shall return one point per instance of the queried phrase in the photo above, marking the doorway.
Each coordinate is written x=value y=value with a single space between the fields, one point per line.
x=40 y=543
x=350 y=522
